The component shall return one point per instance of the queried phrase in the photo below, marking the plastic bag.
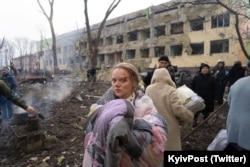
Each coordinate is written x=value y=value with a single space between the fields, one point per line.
x=189 y=99
x=219 y=143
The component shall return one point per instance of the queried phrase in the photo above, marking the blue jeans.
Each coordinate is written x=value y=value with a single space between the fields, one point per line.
x=7 y=113
x=6 y=108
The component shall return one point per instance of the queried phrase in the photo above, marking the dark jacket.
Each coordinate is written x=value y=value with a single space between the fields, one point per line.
x=235 y=73
x=148 y=77
x=10 y=95
x=221 y=75
x=205 y=86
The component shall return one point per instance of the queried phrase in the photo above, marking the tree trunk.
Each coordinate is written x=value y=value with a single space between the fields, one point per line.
x=93 y=44
x=50 y=19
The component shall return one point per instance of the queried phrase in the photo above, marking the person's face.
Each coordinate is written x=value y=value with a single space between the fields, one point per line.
x=122 y=83
x=4 y=72
x=163 y=64
x=204 y=70
x=220 y=65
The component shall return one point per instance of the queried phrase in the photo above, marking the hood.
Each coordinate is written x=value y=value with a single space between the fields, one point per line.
x=161 y=75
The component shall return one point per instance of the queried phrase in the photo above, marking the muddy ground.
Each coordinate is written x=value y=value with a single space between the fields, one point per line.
x=62 y=106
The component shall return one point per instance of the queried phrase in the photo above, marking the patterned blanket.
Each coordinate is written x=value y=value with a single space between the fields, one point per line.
x=113 y=137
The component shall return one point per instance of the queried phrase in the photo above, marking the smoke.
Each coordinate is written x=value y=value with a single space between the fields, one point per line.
x=43 y=96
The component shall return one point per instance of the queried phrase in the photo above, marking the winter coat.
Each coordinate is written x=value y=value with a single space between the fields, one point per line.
x=238 y=123
x=162 y=91
x=235 y=73
x=124 y=132
x=205 y=87
x=221 y=75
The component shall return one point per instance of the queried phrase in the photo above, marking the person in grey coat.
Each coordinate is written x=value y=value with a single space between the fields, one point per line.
x=238 y=123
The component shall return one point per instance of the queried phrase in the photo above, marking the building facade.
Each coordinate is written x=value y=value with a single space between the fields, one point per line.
x=188 y=34
x=26 y=63
x=67 y=57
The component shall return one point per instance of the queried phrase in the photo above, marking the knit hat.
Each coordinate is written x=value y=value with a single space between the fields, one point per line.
x=163 y=58
x=204 y=65
x=220 y=61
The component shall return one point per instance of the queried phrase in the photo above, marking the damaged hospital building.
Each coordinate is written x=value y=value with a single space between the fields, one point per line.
x=189 y=34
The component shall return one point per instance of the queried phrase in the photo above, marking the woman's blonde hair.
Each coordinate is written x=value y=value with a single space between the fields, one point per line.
x=133 y=72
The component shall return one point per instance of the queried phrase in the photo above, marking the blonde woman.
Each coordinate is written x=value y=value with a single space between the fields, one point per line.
x=125 y=129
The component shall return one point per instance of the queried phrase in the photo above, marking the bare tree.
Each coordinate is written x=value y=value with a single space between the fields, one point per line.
x=94 y=41
x=49 y=17
x=21 y=45
x=10 y=46
x=25 y=47
x=44 y=44
x=31 y=50
x=239 y=9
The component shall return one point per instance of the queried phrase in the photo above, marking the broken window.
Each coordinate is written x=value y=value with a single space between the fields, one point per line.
x=101 y=42
x=159 y=31
x=130 y=54
x=196 y=25
x=110 y=59
x=197 y=48
x=144 y=34
x=160 y=50
x=144 y=53
x=132 y=36
x=119 y=39
x=101 y=59
x=219 y=46
x=81 y=45
x=109 y=41
x=176 y=50
x=177 y=28
x=222 y=20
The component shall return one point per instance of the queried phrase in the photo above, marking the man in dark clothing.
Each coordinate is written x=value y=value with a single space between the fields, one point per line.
x=220 y=74
x=163 y=62
x=91 y=74
x=235 y=73
x=204 y=84
x=6 y=105
x=6 y=92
